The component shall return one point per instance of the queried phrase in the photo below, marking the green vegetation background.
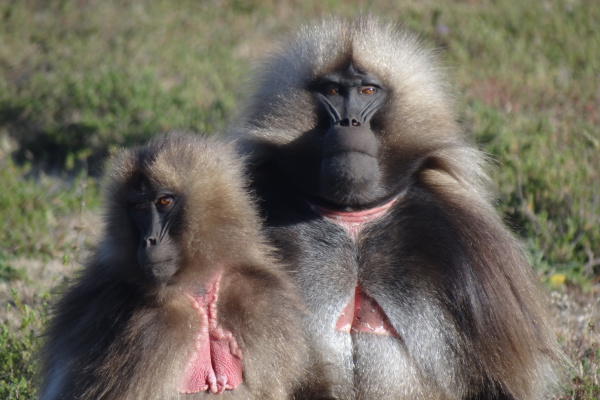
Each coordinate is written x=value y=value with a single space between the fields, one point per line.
x=81 y=78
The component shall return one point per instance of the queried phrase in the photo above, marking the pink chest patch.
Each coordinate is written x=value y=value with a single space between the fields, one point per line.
x=353 y=221
x=216 y=362
x=363 y=314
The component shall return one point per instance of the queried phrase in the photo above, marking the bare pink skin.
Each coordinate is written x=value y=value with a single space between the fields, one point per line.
x=363 y=314
x=353 y=221
x=216 y=362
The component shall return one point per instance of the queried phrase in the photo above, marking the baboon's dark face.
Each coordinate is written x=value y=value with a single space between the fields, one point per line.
x=155 y=212
x=349 y=173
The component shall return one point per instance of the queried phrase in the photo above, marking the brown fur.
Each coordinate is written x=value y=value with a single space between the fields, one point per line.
x=113 y=335
x=453 y=281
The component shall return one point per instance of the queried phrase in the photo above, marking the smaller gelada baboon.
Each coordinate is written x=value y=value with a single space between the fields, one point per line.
x=182 y=298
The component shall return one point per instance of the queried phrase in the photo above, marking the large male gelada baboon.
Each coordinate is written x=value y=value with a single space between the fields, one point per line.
x=378 y=202
x=182 y=298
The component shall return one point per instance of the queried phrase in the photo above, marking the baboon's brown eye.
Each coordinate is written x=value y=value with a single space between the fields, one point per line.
x=332 y=90
x=368 y=90
x=166 y=201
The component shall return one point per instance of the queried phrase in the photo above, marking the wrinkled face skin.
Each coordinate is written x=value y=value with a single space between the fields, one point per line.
x=155 y=212
x=349 y=173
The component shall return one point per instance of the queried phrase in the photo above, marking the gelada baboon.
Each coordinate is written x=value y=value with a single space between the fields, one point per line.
x=182 y=298
x=377 y=200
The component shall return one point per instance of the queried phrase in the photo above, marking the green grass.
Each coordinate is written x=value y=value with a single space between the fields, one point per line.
x=17 y=358
x=80 y=78
x=38 y=210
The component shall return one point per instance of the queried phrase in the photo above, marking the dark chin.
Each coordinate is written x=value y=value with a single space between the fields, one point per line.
x=160 y=271
x=350 y=179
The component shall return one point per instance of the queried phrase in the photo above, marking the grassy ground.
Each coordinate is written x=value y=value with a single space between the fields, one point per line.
x=79 y=78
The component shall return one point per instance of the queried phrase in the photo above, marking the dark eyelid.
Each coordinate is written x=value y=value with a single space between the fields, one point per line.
x=138 y=205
